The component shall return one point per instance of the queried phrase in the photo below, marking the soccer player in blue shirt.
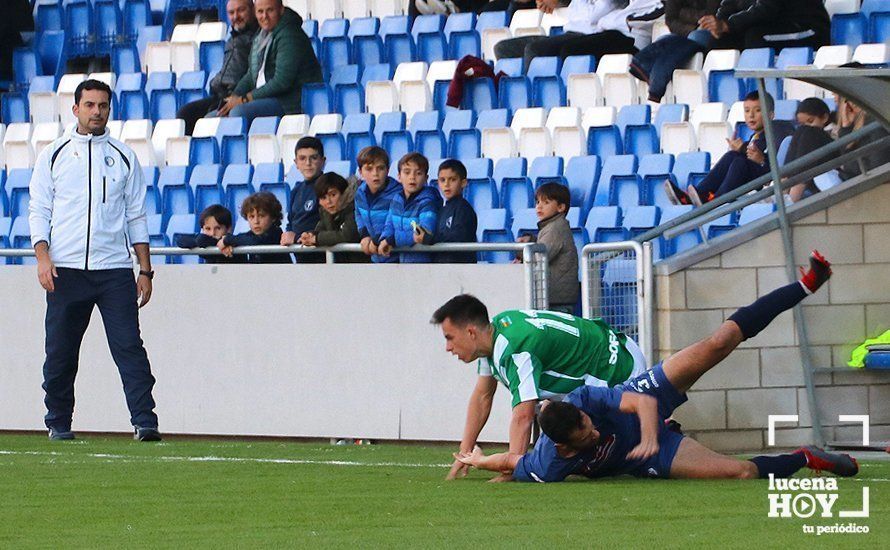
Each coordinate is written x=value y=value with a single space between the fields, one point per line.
x=599 y=432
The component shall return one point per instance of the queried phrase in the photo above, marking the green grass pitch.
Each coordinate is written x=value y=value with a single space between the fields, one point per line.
x=114 y=492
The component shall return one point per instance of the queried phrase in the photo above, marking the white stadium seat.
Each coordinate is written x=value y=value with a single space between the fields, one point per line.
x=620 y=90
x=872 y=54
x=798 y=89
x=164 y=130
x=841 y=6
x=65 y=94
x=290 y=130
x=326 y=124
x=736 y=112
x=598 y=116
x=712 y=138
x=212 y=31
x=535 y=142
x=17 y=146
x=114 y=128
x=184 y=33
x=498 y=143
x=677 y=137
x=183 y=57
x=381 y=97
x=708 y=112
x=415 y=97
x=157 y=57
x=534 y=117
x=44 y=133
x=137 y=135
x=440 y=70
x=561 y=117
x=353 y=9
x=832 y=56
x=490 y=37
x=326 y=9
x=43 y=106
x=568 y=141
x=689 y=87
x=526 y=20
x=383 y=8
x=584 y=90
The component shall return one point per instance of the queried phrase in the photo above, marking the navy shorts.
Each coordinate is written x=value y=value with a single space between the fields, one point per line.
x=653 y=382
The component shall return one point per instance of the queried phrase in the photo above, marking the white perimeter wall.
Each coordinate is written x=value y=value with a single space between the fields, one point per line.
x=308 y=350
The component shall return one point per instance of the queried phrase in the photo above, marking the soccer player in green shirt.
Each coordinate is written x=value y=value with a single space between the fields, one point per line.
x=536 y=355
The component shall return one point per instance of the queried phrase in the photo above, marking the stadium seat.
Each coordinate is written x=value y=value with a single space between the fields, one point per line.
x=136 y=134
x=670 y=113
x=678 y=137
x=602 y=217
x=690 y=163
x=49 y=15
x=546 y=170
x=514 y=92
x=205 y=185
x=43 y=134
x=397 y=144
x=680 y=243
x=236 y=184
x=638 y=219
x=326 y=124
x=479 y=168
x=397 y=40
x=18 y=147
x=492 y=27
x=358 y=129
x=25 y=66
x=849 y=29
x=604 y=141
x=712 y=137
x=481 y=193
x=429 y=38
x=367 y=44
x=653 y=170
x=20 y=237
x=65 y=94
x=270 y=177
x=263 y=140
x=290 y=129
x=109 y=24
x=335 y=44
x=17 y=189
x=517 y=193
x=877 y=55
x=832 y=56
x=492 y=228
x=334 y=145
x=525 y=222
x=479 y=95
x=581 y=175
x=498 y=143
x=14 y=107
x=616 y=165
x=388 y=122
x=79 y=28
x=177 y=225
x=754 y=212
x=465 y=143
x=438 y=79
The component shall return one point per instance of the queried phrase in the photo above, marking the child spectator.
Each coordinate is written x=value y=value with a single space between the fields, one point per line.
x=215 y=222
x=457 y=219
x=337 y=223
x=373 y=198
x=303 y=214
x=412 y=213
x=263 y=212
x=743 y=162
x=551 y=206
x=813 y=117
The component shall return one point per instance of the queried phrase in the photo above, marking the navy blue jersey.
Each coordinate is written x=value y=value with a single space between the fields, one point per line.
x=619 y=434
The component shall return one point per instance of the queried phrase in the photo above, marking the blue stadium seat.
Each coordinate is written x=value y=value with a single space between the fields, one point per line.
x=457 y=119
x=367 y=44
x=264 y=125
x=878 y=13
x=49 y=15
x=625 y=190
x=849 y=29
x=794 y=57
x=653 y=170
x=577 y=64
x=633 y=115
x=150 y=175
x=79 y=28
x=342 y=167
x=463 y=39
x=546 y=85
x=759 y=58
x=720 y=226
x=459 y=22
x=670 y=112
x=509 y=168
x=14 y=108
x=610 y=235
x=160 y=87
x=680 y=243
x=510 y=66
x=754 y=212
x=581 y=175
x=17 y=182
x=349 y=95
x=431 y=144
x=205 y=185
x=125 y=59
x=602 y=217
x=317 y=99
x=397 y=144
x=786 y=109
x=478 y=168
x=465 y=143
x=181 y=225
x=210 y=56
x=480 y=95
x=724 y=86
x=492 y=20
x=380 y=71
x=525 y=222
x=616 y=165
x=51 y=48
x=429 y=38
x=517 y=193
x=397 y=40
x=388 y=122
x=335 y=44
x=236 y=184
x=109 y=24
x=334 y=146
x=358 y=129
x=153 y=33
x=190 y=87
x=310 y=27
x=492 y=228
x=493 y=118
x=641 y=140
x=427 y=121
x=176 y=193
x=546 y=170
x=25 y=66
x=232 y=138
x=604 y=141
x=690 y=163
x=481 y=193
x=639 y=219
x=20 y=237
x=136 y=15
x=269 y=176
x=131 y=100
x=152 y=199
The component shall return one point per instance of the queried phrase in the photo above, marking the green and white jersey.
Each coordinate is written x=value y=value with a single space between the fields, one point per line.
x=546 y=354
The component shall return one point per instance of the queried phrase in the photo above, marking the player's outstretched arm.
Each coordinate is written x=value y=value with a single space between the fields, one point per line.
x=478 y=410
x=646 y=408
x=521 y=427
x=503 y=463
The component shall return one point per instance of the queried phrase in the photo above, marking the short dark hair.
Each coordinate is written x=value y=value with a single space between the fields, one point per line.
x=555 y=192
x=770 y=103
x=310 y=142
x=415 y=158
x=91 y=84
x=462 y=310
x=263 y=201
x=372 y=153
x=328 y=181
x=813 y=106
x=455 y=166
x=559 y=420
x=218 y=212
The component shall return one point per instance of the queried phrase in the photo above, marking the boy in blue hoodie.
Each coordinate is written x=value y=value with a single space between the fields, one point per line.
x=413 y=213
x=372 y=200
x=457 y=219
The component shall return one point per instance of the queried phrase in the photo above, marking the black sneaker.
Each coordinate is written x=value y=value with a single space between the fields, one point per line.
x=674 y=193
x=818 y=274
x=147 y=434
x=60 y=435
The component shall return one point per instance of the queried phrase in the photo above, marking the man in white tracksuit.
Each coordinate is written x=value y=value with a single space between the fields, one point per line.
x=87 y=201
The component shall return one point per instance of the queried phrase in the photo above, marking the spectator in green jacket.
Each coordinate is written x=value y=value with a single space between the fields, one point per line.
x=281 y=62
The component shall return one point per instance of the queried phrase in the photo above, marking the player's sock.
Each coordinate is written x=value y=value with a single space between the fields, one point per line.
x=754 y=318
x=779 y=465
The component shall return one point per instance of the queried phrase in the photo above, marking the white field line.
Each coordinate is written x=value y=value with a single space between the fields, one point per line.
x=224 y=459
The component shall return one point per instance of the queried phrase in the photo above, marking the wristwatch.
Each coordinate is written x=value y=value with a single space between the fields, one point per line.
x=149 y=274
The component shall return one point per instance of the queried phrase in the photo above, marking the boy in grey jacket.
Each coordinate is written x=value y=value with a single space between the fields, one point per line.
x=551 y=206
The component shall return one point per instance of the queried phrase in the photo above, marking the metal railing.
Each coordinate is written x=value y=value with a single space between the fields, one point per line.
x=534 y=257
x=616 y=284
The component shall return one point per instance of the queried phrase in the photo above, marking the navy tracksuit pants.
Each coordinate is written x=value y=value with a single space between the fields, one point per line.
x=68 y=311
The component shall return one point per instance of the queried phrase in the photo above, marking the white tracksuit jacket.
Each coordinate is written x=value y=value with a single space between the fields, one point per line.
x=87 y=199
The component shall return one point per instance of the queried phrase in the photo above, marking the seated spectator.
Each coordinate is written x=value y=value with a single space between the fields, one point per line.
x=337 y=223
x=263 y=212
x=813 y=117
x=303 y=214
x=551 y=206
x=655 y=64
x=744 y=162
x=852 y=117
x=594 y=27
x=413 y=212
x=281 y=61
x=234 y=64
x=457 y=219
x=446 y=7
x=373 y=199
x=215 y=222
x=772 y=24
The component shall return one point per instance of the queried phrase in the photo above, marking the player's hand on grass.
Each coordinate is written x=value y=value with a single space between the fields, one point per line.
x=458 y=470
x=647 y=448
x=471 y=458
